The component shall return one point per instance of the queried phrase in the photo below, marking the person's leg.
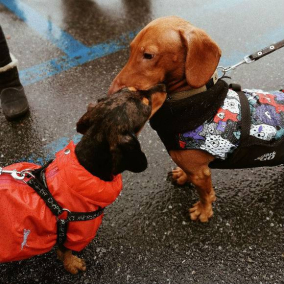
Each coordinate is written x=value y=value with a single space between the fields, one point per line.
x=13 y=99
x=5 y=58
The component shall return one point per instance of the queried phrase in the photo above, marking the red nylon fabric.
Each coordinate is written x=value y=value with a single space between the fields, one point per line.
x=28 y=227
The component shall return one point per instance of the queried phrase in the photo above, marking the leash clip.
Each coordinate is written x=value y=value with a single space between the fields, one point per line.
x=246 y=60
x=15 y=174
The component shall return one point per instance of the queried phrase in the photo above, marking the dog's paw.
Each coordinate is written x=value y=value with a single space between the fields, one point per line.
x=178 y=176
x=74 y=264
x=201 y=212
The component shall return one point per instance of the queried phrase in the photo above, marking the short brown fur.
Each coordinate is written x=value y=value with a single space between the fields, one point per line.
x=184 y=57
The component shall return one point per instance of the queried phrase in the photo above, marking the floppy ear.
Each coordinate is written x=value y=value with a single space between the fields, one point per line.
x=84 y=122
x=128 y=155
x=202 y=56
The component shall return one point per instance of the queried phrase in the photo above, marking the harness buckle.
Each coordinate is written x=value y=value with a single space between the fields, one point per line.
x=247 y=59
x=62 y=227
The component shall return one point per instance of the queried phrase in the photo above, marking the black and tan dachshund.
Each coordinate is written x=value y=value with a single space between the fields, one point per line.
x=114 y=124
x=82 y=178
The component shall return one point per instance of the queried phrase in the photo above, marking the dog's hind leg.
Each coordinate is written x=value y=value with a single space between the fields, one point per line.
x=194 y=164
x=71 y=262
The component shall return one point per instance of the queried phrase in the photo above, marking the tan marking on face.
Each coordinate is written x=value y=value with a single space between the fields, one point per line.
x=132 y=89
x=145 y=101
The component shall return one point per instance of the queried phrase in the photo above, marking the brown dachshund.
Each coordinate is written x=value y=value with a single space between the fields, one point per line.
x=204 y=123
x=183 y=57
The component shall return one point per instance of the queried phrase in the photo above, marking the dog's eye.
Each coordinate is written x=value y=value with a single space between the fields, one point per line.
x=148 y=55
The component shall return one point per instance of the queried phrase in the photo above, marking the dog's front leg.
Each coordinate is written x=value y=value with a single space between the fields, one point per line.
x=194 y=168
x=71 y=262
x=202 y=209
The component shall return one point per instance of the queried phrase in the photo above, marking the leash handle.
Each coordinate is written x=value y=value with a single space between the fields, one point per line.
x=267 y=50
x=254 y=56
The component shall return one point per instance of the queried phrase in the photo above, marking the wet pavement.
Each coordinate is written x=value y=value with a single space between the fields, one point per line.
x=69 y=52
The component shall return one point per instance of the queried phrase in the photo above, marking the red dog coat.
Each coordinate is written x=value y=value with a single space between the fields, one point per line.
x=28 y=227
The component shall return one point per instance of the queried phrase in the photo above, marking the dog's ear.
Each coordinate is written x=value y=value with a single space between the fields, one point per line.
x=202 y=56
x=84 y=122
x=127 y=155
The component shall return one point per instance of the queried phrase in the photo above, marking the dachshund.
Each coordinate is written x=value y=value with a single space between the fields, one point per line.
x=82 y=178
x=204 y=123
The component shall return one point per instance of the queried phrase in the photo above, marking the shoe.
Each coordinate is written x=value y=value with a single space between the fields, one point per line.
x=14 y=102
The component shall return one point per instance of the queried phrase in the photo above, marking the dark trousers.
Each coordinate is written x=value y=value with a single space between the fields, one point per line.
x=4 y=50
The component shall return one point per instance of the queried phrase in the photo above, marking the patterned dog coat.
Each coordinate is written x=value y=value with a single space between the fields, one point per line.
x=221 y=135
x=246 y=129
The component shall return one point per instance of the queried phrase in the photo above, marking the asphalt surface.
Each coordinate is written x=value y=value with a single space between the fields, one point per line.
x=69 y=52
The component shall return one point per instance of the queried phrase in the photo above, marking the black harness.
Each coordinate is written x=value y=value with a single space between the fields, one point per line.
x=38 y=183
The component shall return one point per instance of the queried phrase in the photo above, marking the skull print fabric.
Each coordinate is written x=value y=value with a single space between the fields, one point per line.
x=221 y=135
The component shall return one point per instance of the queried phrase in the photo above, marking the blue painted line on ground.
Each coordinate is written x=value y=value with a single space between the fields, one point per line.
x=55 y=66
x=62 y=40
x=76 y=53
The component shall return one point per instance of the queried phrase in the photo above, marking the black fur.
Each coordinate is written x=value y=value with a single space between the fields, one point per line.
x=109 y=144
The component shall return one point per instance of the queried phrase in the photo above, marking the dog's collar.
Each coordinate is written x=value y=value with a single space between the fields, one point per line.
x=188 y=93
x=180 y=116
